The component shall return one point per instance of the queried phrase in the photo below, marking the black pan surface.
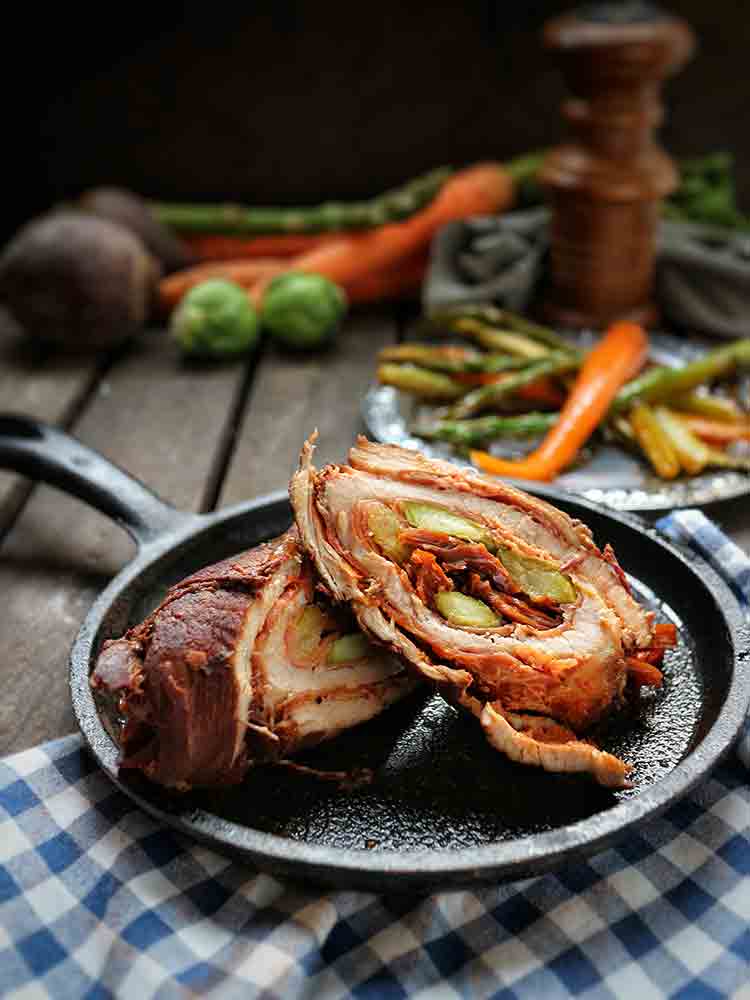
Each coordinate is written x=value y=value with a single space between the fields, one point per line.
x=444 y=809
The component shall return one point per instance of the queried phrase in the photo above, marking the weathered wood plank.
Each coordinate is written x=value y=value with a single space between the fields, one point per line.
x=34 y=384
x=160 y=420
x=292 y=395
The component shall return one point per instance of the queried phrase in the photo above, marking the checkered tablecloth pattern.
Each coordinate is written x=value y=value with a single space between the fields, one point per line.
x=98 y=900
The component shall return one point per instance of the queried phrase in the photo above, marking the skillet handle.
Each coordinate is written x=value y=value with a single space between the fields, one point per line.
x=40 y=451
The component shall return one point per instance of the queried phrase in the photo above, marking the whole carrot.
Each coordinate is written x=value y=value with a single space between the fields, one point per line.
x=615 y=359
x=243 y=272
x=406 y=279
x=478 y=190
x=208 y=247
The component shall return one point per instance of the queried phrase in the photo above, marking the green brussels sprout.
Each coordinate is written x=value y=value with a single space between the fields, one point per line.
x=302 y=310
x=216 y=319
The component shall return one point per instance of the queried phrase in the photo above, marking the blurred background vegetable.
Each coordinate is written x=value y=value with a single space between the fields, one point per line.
x=129 y=210
x=302 y=311
x=245 y=220
x=215 y=319
x=80 y=282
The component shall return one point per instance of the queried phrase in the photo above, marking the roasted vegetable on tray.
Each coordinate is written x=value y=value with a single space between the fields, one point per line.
x=521 y=380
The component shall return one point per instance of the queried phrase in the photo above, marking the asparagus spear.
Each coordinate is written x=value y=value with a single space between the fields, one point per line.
x=420 y=381
x=454 y=360
x=488 y=395
x=239 y=220
x=691 y=451
x=659 y=383
x=657 y=446
x=714 y=407
x=501 y=320
x=492 y=339
x=483 y=429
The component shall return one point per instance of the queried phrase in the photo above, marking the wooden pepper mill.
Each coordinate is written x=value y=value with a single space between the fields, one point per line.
x=605 y=184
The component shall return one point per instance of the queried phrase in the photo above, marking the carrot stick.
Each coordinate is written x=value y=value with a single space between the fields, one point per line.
x=615 y=359
x=716 y=431
x=478 y=190
x=208 y=247
x=244 y=272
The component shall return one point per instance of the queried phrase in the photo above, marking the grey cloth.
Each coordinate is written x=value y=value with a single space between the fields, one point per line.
x=702 y=272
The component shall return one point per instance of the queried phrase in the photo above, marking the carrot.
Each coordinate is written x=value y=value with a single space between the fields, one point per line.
x=716 y=431
x=615 y=359
x=207 y=247
x=543 y=391
x=398 y=282
x=478 y=190
x=244 y=272
x=641 y=673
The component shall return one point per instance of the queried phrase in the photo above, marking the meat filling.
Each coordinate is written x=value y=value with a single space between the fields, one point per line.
x=500 y=599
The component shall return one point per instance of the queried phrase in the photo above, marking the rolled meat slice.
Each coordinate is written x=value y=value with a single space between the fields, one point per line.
x=243 y=662
x=500 y=599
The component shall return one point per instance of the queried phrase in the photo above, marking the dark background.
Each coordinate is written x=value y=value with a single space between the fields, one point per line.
x=286 y=100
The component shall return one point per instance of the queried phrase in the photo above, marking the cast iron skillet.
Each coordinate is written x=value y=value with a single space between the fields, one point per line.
x=444 y=810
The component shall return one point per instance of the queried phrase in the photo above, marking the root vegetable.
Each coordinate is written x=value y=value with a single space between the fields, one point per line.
x=129 y=210
x=77 y=281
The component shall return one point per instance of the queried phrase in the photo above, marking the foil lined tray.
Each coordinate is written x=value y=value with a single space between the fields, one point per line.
x=605 y=473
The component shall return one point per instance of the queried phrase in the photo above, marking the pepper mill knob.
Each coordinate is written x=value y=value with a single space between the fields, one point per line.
x=605 y=184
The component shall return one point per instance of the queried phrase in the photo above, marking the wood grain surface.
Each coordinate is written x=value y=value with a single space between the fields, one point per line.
x=164 y=423
x=34 y=383
x=293 y=395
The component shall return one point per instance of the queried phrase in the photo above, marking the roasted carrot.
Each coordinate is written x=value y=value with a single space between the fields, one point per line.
x=208 y=247
x=244 y=272
x=615 y=359
x=716 y=431
x=543 y=391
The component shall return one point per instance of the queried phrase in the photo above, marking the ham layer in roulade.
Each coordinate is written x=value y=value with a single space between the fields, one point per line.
x=500 y=599
x=243 y=662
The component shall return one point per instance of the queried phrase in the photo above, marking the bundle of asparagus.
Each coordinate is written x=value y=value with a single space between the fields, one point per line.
x=517 y=375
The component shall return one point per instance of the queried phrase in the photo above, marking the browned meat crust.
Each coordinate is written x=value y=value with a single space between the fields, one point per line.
x=207 y=684
x=567 y=663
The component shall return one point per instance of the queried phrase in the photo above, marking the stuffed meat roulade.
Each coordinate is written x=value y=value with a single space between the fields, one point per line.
x=243 y=662
x=497 y=597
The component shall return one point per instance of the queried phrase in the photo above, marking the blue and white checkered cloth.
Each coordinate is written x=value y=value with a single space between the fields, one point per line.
x=98 y=900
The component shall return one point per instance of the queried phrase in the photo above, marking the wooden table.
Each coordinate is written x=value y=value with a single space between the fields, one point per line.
x=200 y=436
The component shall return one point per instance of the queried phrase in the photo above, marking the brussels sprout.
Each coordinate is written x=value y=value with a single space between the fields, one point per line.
x=302 y=310
x=216 y=319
